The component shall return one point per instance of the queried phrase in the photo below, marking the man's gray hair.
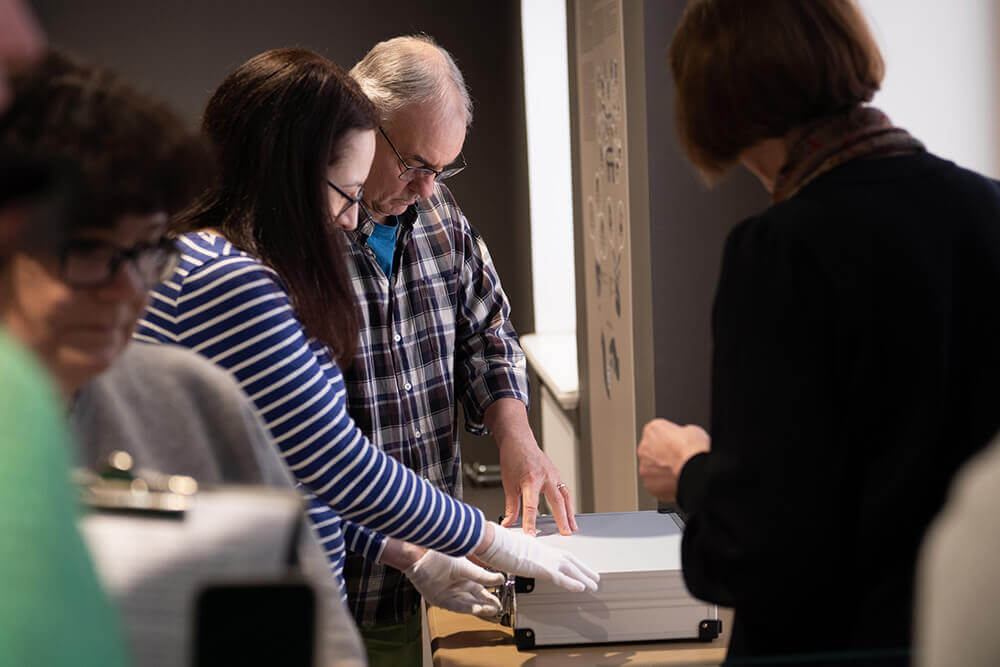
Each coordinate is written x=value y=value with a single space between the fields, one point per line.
x=408 y=70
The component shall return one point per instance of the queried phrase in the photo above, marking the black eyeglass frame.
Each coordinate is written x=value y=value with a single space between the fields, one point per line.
x=351 y=201
x=439 y=176
x=164 y=268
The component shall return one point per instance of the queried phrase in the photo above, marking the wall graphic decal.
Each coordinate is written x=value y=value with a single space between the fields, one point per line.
x=603 y=151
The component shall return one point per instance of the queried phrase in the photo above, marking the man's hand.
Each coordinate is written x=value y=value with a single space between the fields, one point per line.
x=525 y=470
x=664 y=449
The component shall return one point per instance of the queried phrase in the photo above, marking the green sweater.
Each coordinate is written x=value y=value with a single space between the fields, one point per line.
x=52 y=609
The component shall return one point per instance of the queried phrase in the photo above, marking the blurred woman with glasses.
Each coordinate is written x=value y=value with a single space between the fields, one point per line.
x=76 y=307
x=262 y=290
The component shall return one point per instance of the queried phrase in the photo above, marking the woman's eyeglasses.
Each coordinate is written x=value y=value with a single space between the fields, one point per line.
x=351 y=201
x=92 y=263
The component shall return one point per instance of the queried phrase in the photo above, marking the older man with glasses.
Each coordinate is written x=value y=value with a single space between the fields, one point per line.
x=436 y=325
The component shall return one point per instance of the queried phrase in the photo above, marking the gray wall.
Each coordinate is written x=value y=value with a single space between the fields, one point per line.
x=181 y=50
x=678 y=229
x=688 y=227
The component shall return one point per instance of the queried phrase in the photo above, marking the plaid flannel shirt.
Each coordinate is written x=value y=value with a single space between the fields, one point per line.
x=436 y=329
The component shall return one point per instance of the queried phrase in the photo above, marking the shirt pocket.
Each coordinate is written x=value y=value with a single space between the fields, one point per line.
x=437 y=302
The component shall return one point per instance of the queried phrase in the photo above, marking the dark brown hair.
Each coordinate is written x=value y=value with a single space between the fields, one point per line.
x=748 y=70
x=126 y=153
x=275 y=124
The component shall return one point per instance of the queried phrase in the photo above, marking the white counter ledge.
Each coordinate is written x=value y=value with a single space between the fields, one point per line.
x=553 y=358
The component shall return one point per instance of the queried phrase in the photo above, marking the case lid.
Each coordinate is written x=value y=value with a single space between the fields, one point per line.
x=619 y=541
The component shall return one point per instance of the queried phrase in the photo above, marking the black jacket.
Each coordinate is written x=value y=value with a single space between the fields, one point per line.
x=856 y=366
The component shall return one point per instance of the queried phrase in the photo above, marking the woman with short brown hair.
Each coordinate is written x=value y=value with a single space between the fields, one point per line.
x=749 y=70
x=855 y=329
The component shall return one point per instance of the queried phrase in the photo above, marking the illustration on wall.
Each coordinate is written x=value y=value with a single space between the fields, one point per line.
x=610 y=363
x=603 y=173
x=605 y=216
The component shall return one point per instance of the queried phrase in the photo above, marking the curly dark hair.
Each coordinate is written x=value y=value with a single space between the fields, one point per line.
x=129 y=153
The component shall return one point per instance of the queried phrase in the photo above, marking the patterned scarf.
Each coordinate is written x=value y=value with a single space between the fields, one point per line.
x=833 y=140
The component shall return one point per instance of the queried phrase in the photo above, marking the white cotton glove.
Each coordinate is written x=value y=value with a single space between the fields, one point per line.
x=455 y=584
x=516 y=553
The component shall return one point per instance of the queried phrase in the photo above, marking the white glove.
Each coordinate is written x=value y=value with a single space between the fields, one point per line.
x=455 y=584
x=516 y=553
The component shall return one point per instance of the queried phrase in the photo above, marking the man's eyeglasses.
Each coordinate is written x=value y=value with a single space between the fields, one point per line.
x=351 y=201
x=410 y=173
x=91 y=263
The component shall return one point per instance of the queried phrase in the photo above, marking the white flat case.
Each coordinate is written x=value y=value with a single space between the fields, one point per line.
x=641 y=597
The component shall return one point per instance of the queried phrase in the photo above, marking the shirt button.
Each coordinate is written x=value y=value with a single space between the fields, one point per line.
x=416 y=433
x=397 y=338
x=407 y=386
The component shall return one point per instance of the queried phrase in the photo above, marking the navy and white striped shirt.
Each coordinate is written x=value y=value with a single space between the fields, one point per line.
x=234 y=310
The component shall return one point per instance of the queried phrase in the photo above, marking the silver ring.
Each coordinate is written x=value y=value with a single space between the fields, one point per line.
x=561 y=485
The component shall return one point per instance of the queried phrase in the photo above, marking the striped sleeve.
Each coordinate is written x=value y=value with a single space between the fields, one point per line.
x=363 y=541
x=327 y=527
x=234 y=312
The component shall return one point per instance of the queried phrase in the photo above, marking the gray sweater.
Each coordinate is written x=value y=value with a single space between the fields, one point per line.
x=176 y=413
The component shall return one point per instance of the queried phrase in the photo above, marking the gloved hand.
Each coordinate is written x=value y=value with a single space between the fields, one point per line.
x=455 y=584
x=516 y=553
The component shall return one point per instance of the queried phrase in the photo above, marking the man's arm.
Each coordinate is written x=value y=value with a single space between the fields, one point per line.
x=492 y=383
x=525 y=470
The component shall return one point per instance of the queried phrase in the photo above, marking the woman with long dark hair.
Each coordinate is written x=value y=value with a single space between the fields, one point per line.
x=261 y=290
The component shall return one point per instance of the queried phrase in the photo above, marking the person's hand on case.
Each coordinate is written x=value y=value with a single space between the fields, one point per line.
x=455 y=584
x=516 y=553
